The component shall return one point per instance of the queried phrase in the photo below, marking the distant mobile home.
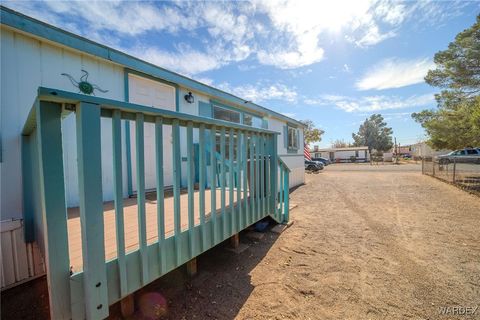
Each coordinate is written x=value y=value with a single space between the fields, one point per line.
x=360 y=154
x=84 y=124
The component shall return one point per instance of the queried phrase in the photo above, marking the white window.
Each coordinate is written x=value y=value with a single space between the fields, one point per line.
x=226 y=114
x=292 y=138
x=253 y=121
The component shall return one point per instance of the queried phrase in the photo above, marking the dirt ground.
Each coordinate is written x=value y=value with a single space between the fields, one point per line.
x=368 y=242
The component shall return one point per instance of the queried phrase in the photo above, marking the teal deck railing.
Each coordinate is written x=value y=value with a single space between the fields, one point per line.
x=252 y=172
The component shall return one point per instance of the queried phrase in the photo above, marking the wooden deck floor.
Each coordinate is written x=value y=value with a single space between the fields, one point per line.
x=131 y=223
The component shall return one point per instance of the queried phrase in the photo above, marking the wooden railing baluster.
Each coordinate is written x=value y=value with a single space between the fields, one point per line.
x=160 y=193
x=177 y=222
x=231 y=172
x=222 y=180
x=201 y=181
x=142 y=227
x=118 y=200
x=190 y=178
x=213 y=181
x=238 y=216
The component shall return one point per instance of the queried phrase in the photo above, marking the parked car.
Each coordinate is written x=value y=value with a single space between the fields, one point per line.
x=324 y=161
x=313 y=166
x=467 y=155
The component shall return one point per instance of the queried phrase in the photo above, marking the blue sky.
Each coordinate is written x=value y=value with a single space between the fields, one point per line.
x=333 y=62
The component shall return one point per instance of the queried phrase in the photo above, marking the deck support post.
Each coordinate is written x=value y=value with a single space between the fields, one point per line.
x=53 y=206
x=127 y=306
x=235 y=240
x=192 y=267
x=91 y=210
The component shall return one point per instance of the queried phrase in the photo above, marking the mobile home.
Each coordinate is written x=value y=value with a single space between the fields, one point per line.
x=360 y=154
x=96 y=148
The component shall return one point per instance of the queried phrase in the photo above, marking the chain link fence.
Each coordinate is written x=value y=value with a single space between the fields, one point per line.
x=462 y=174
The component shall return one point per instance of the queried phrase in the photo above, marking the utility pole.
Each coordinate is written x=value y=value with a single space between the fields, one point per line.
x=396 y=151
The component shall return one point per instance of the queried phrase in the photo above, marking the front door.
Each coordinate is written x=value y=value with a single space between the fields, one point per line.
x=158 y=95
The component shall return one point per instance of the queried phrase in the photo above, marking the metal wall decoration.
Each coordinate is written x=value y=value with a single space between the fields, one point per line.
x=83 y=85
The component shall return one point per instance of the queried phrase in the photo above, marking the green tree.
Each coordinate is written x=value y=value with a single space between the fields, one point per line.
x=456 y=121
x=374 y=134
x=312 y=133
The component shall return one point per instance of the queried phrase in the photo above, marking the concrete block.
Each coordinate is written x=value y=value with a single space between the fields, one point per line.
x=241 y=247
x=253 y=235
x=279 y=228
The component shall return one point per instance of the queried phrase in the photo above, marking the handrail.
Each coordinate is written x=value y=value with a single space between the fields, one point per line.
x=253 y=167
x=284 y=191
x=129 y=111
x=282 y=163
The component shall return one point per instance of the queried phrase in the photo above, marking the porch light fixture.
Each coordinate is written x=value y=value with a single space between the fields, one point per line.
x=189 y=98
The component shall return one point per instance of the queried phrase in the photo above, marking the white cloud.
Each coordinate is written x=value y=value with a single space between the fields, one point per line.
x=395 y=73
x=182 y=60
x=371 y=103
x=392 y=13
x=289 y=114
x=286 y=34
x=261 y=92
x=124 y=17
x=371 y=36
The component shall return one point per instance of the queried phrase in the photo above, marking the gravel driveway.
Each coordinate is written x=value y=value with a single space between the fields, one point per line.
x=368 y=242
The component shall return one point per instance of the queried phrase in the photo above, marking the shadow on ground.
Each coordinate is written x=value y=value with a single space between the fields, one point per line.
x=220 y=288
x=218 y=291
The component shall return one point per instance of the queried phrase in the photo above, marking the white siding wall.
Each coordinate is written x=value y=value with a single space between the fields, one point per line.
x=26 y=64
x=295 y=161
x=346 y=154
x=20 y=261
x=189 y=108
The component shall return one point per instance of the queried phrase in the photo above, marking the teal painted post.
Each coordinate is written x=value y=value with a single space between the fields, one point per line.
x=223 y=181
x=262 y=176
x=202 y=181
x=160 y=193
x=176 y=189
x=280 y=183
x=118 y=200
x=91 y=210
x=54 y=212
x=257 y=177
x=142 y=226
x=128 y=153
x=268 y=172
x=231 y=172
x=213 y=188
x=28 y=176
x=245 y=206
x=273 y=174
x=286 y=203
x=238 y=217
x=252 y=180
x=190 y=178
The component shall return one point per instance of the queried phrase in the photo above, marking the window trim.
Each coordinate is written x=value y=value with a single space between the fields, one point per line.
x=297 y=137
x=240 y=117
x=216 y=103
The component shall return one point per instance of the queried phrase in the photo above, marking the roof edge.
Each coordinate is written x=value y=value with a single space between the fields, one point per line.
x=27 y=24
